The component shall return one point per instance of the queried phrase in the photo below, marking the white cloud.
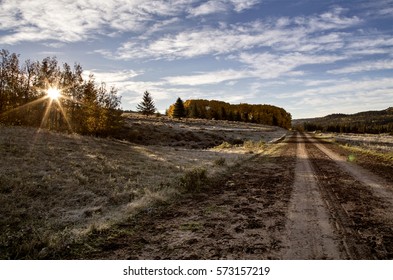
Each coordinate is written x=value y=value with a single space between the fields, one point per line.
x=209 y=7
x=318 y=33
x=269 y=66
x=113 y=77
x=380 y=8
x=366 y=86
x=207 y=78
x=364 y=66
x=220 y=6
x=240 y=5
x=77 y=20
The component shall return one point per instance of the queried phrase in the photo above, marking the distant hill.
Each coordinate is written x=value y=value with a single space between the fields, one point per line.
x=363 y=122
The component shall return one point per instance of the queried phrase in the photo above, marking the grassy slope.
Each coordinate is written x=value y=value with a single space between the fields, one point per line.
x=55 y=189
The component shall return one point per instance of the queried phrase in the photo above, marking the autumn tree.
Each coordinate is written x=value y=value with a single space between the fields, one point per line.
x=213 y=109
x=84 y=106
x=146 y=107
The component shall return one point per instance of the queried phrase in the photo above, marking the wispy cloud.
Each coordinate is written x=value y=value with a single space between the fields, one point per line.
x=345 y=86
x=214 y=77
x=219 y=6
x=269 y=66
x=364 y=66
x=77 y=20
x=300 y=34
x=113 y=77
x=209 y=7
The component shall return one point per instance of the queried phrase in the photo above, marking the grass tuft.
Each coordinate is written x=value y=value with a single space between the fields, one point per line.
x=194 y=180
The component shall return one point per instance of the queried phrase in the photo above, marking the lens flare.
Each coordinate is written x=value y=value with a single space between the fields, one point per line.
x=53 y=93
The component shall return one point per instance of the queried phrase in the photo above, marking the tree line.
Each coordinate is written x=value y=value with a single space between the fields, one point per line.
x=373 y=122
x=219 y=110
x=84 y=106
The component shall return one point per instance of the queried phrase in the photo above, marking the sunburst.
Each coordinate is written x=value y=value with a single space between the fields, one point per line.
x=53 y=93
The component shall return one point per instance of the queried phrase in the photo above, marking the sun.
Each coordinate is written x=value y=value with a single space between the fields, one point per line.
x=53 y=93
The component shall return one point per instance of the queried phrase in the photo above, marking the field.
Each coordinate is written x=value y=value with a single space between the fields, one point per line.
x=381 y=142
x=56 y=189
x=193 y=189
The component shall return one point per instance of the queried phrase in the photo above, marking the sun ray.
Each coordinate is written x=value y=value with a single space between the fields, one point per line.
x=53 y=93
x=25 y=105
x=46 y=114
x=65 y=116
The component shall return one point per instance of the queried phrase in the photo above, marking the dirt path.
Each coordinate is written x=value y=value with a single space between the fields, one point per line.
x=310 y=233
x=300 y=200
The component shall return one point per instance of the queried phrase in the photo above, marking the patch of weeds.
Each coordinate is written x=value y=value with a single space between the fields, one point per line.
x=224 y=145
x=27 y=243
x=83 y=179
x=211 y=209
x=194 y=180
x=355 y=151
x=253 y=145
x=191 y=226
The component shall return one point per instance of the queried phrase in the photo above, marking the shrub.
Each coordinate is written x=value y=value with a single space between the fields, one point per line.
x=194 y=180
x=224 y=145
x=252 y=145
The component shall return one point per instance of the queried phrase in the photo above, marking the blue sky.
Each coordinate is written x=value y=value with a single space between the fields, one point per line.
x=311 y=57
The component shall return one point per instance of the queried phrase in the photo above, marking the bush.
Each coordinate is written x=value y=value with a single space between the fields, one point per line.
x=253 y=146
x=224 y=145
x=194 y=180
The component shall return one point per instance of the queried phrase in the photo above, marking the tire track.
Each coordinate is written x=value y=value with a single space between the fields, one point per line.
x=328 y=177
x=310 y=233
x=360 y=203
x=380 y=187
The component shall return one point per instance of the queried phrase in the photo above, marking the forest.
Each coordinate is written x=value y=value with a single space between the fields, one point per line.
x=219 y=110
x=373 y=122
x=82 y=106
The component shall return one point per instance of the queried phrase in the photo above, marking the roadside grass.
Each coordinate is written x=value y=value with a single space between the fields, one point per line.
x=361 y=144
x=385 y=156
x=61 y=189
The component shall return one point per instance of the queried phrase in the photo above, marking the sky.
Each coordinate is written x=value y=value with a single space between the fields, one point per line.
x=310 y=57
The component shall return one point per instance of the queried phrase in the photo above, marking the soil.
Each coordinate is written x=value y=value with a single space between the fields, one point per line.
x=302 y=200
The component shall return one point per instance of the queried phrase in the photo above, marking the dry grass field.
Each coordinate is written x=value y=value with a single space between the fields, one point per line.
x=55 y=189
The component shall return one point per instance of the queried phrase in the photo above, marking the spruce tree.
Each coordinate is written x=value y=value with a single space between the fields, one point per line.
x=146 y=107
x=179 y=111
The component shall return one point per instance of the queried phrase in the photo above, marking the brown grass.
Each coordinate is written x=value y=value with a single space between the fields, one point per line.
x=56 y=188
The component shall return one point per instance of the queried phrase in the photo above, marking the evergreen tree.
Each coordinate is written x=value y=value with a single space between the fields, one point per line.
x=146 y=107
x=179 y=111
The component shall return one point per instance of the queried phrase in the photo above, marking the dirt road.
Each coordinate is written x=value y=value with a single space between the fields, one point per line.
x=310 y=234
x=301 y=201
